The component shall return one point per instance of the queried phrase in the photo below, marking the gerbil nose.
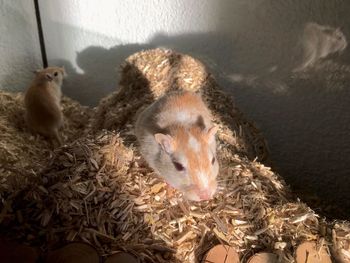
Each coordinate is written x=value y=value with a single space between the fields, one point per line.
x=205 y=194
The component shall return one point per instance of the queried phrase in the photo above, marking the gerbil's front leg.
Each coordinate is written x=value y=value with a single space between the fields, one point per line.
x=308 y=61
x=170 y=191
x=56 y=140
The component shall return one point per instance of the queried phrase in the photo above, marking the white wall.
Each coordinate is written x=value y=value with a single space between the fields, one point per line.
x=19 y=45
x=91 y=39
x=307 y=126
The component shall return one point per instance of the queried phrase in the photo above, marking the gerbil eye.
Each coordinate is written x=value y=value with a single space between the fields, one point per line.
x=179 y=166
x=55 y=74
x=213 y=160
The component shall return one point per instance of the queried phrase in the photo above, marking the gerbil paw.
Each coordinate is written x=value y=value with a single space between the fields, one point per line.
x=170 y=191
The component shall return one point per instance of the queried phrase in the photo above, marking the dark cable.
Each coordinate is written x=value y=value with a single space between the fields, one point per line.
x=40 y=33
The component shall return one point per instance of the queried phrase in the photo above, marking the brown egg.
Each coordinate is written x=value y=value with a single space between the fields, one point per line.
x=264 y=258
x=221 y=254
x=74 y=253
x=121 y=257
x=308 y=252
x=11 y=252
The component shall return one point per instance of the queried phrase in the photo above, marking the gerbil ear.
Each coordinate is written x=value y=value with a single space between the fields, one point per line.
x=63 y=71
x=165 y=141
x=212 y=132
x=328 y=31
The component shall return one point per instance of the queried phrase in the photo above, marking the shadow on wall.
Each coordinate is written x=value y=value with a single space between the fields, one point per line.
x=101 y=72
x=306 y=125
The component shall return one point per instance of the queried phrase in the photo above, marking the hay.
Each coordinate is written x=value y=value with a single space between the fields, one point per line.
x=22 y=151
x=98 y=188
x=341 y=241
x=17 y=145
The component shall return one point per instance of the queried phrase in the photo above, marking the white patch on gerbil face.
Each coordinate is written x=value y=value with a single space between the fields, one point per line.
x=183 y=160
x=181 y=116
x=203 y=178
x=194 y=144
x=210 y=154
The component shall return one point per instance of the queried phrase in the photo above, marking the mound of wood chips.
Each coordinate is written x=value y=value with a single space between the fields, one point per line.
x=341 y=241
x=21 y=150
x=98 y=188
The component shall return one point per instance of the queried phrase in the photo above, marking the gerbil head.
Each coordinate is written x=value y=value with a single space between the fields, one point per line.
x=54 y=74
x=188 y=160
x=336 y=39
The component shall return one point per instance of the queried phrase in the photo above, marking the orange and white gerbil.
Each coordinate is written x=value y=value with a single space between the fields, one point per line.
x=43 y=103
x=177 y=139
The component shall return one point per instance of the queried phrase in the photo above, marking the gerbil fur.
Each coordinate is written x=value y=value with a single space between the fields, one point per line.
x=43 y=103
x=177 y=139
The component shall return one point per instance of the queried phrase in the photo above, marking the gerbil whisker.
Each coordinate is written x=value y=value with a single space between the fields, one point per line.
x=225 y=180
x=220 y=188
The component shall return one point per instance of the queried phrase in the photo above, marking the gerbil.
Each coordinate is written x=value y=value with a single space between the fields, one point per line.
x=319 y=41
x=43 y=103
x=177 y=139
